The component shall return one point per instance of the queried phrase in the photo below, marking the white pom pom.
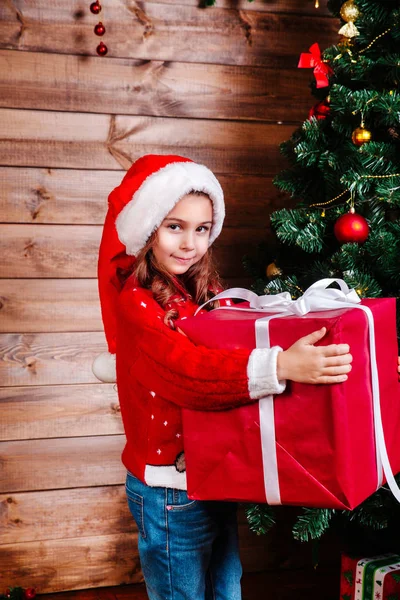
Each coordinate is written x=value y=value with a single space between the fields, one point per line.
x=103 y=367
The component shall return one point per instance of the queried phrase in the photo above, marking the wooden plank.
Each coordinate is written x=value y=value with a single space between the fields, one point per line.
x=152 y=33
x=49 y=358
x=92 y=141
x=29 y=306
x=55 y=195
x=54 y=514
x=71 y=251
x=49 y=251
x=295 y=7
x=30 y=195
x=52 y=411
x=29 y=465
x=56 y=565
x=36 y=305
x=37 y=80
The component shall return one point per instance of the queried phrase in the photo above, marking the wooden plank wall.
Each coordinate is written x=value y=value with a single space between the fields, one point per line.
x=219 y=85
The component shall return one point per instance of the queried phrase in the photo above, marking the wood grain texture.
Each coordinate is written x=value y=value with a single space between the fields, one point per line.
x=159 y=31
x=64 y=514
x=62 y=305
x=36 y=305
x=92 y=141
x=36 y=80
x=294 y=7
x=55 y=565
x=54 y=251
x=68 y=196
x=49 y=358
x=71 y=251
x=51 y=411
x=29 y=465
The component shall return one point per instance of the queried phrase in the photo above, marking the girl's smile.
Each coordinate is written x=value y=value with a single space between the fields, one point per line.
x=183 y=237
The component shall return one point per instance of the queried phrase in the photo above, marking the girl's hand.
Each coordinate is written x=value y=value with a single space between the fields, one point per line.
x=305 y=363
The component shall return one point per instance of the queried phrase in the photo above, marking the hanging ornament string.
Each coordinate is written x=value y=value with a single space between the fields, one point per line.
x=361 y=135
x=378 y=37
x=380 y=176
x=99 y=29
x=323 y=205
x=320 y=204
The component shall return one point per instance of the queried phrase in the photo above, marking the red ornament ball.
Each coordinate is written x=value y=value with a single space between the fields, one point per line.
x=101 y=49
x=95 y=8
x=99 y=29
x=320 y=110
x=351 y=227
x=29 y=593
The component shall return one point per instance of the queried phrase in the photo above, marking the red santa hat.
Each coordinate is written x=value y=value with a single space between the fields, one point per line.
x=136 y=208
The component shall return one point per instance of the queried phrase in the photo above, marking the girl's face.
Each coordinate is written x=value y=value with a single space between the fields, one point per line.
x=182 y=238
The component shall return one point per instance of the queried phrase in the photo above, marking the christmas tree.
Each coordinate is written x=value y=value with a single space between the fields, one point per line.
x=344 y=185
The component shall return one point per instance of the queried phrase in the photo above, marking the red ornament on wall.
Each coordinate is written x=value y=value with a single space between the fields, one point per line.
x=101 y=49
x=351 y=227
x=95 y=8
x=99 y=29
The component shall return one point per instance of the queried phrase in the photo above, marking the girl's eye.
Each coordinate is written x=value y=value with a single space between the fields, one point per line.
x=174 y=226
x=203 y=228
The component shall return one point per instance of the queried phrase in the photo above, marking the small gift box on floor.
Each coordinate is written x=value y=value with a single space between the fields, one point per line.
x=373 y=578
x=313 y=445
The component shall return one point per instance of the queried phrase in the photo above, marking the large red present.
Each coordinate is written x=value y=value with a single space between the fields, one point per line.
x=314 y=445
x=371 y=578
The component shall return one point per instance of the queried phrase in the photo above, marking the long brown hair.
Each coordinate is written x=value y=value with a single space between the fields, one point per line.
x=200 y=282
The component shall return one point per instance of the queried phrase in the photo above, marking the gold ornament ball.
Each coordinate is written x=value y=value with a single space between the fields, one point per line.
x=361 y=136
x=273 y=271
x=349 y=11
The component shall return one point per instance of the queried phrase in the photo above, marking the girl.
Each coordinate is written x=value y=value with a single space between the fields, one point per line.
x=154 y=267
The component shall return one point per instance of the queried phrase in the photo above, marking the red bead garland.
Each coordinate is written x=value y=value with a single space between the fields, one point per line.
x=101 y=49
x=95 y=7
x=99 y=29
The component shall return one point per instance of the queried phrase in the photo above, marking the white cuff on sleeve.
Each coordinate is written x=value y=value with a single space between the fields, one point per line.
x=261 y=372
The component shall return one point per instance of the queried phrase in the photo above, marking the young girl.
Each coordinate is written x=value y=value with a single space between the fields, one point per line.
x=154 y=267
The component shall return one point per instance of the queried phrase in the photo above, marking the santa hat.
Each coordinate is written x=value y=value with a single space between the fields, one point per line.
x=136 y=208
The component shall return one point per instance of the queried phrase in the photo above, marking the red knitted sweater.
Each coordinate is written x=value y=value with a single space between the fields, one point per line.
x=159 y=371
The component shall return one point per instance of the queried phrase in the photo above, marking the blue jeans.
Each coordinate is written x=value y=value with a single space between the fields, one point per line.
x=188 y=549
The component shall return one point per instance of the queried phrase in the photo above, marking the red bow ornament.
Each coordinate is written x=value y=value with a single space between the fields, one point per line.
x=314 y=61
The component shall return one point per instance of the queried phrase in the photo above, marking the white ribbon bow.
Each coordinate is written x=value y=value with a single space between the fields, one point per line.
x=318 y=297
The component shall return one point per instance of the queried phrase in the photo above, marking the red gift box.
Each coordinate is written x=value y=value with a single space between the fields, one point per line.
x=373 y=578
x=323 y=451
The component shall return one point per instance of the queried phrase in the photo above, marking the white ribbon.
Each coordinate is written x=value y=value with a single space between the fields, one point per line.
x=318 y=297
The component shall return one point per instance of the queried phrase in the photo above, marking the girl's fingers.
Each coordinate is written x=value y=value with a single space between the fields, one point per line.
x=334 y=361
x=314 y=337
x=328 y=379
x=335 y=349
x=338 y=370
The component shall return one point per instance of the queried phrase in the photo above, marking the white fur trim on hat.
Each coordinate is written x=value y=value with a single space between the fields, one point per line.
x=103 y=367
x=157 y=196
